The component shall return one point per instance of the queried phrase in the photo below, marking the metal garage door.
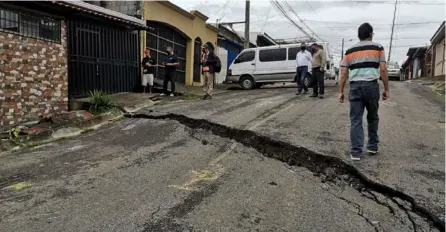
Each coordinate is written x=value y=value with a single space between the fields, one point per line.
x=158 y=40
x=101 y=57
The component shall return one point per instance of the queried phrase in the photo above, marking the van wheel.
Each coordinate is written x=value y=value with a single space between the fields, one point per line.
x=247 y=82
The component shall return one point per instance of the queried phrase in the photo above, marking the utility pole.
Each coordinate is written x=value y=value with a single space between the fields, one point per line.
x=342 y=50
x=391 y=35
x=247 y=24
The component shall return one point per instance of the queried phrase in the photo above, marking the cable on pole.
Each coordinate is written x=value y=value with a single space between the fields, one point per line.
x=393 y=28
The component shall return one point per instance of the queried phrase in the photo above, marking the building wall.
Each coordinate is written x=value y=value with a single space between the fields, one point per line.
x=33 y=77
x=192 y=26
x=439 y=58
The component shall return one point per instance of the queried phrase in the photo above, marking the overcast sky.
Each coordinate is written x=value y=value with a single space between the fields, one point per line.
x=334 y=20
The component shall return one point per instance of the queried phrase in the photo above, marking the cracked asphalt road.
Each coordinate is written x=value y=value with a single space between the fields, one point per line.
x=161 y=175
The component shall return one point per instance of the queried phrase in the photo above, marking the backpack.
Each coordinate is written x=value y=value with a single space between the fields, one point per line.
x=217 y=65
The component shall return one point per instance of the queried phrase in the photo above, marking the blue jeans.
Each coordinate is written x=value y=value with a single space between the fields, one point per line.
x=301 y=73
x=364 y=94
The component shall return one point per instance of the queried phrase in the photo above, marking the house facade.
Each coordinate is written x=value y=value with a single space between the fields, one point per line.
x=438 y=51
x=414 y=67
x=51 y=52
x=184 y=31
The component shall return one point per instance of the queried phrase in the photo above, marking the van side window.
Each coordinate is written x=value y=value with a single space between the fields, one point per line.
x=272 y=55
x=245 y=57
x=292 y=53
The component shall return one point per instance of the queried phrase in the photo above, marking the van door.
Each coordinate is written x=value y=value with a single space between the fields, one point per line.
x=291 y=65
x=244 y=63
x=270 y=65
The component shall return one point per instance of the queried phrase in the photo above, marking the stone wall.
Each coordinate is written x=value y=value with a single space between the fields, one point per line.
x=33 y=77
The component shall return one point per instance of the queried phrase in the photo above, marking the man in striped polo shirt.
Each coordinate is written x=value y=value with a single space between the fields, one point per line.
x=363 y=64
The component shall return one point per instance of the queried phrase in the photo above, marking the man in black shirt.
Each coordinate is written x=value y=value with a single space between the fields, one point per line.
x=170 y=68
x=148 y=65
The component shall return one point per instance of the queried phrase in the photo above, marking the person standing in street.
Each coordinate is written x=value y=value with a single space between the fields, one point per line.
x=363 y=64
x=170 y=71
x=318 y=67
x=208 y=62
x=303 y=60
x=148 y=65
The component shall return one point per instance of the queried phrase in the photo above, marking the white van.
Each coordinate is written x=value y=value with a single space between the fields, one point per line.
x=255 y=67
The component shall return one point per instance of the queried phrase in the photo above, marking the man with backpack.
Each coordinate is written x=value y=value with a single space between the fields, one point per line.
x=211 y=65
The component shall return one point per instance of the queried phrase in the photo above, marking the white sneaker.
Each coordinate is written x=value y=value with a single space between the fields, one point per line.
x=355 y=157
x=162 y=94
x=171 y=95
x=372 y=152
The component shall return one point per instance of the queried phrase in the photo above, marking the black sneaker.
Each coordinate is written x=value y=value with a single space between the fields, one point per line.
x=204 y=97
x=355 y=157
x=298 y=93
x=305 y=91
x=321 y=96
x=313 y=95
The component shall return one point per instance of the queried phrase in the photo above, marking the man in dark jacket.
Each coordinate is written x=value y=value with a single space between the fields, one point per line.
x=208 y=62
x=170 y=71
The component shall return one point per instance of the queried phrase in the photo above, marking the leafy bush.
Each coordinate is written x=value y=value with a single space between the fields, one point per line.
x=100 y=102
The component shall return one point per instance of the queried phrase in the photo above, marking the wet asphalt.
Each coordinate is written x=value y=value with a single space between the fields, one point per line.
x=160 y=175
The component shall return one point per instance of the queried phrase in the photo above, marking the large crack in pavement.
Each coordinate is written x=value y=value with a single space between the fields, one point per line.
x=329 y=168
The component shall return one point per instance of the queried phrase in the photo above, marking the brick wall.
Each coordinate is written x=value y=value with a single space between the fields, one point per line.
x=33 y=77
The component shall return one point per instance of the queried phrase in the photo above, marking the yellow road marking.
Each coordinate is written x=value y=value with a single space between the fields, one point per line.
x=213 y=175
x=20 y=185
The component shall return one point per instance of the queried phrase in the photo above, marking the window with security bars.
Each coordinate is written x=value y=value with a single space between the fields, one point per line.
x=30 y=25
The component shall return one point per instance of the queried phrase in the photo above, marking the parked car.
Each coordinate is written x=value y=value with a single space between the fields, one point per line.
x=393 y=71
x=255 y=67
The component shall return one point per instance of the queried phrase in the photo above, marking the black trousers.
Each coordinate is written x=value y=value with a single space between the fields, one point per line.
x=169 y=76
x=318 y=81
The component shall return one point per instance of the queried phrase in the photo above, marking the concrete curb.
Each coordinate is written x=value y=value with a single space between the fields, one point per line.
x=62 y=132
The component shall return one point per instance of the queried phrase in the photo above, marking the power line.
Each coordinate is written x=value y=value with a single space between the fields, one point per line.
x=433 y=3
x=318 y=15
x=224 y=5
x=300 y=19
x=229 y=10
x=273 y=16
x=267 y=16
x=284 y=13
x=393 y=28
x=385 y=24
x=397 y=28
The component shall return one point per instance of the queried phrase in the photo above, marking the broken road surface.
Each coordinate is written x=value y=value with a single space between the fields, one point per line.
x=262 y=160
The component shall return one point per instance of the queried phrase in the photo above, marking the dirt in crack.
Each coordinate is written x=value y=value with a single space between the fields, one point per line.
x=328 y=167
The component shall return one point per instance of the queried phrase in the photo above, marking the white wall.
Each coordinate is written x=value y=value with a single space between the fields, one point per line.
x=223 y=55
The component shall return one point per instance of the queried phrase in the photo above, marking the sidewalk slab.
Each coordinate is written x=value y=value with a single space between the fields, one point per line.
x=48 y=131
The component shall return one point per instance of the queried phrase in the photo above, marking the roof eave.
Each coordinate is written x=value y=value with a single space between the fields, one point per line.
x=439 y=34
x=103 y=12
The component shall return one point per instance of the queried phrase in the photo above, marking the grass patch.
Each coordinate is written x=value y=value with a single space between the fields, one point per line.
x=190 y=96
x=100 y=102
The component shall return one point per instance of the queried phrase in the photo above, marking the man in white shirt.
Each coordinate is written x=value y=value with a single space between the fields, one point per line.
x=303 y=61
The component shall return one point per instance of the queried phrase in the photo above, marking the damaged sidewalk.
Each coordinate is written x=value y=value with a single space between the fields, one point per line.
x=54 y=127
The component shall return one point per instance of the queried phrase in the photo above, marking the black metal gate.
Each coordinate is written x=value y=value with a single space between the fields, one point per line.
x=101 y=57
x=197 y=60
x=161 y=37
